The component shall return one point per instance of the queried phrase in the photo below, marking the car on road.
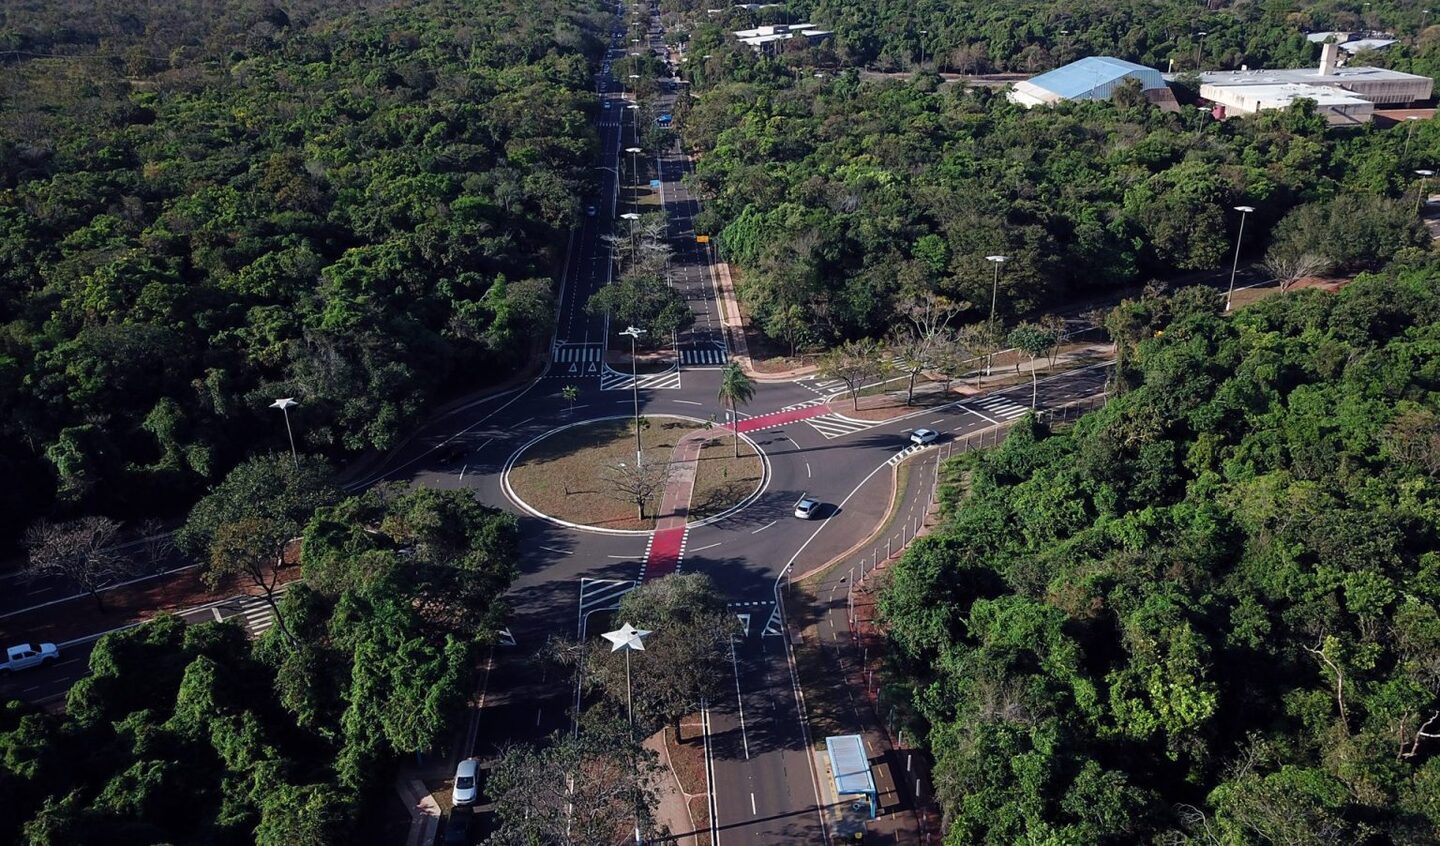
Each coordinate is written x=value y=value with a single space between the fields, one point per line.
x=458 y=829
x=589 y=211
x=467 y=782
x=921 y=437
x=807 y=508
x=23 y=656
x=605 y=105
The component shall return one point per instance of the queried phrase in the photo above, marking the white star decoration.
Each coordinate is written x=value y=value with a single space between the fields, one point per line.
x=626 y=636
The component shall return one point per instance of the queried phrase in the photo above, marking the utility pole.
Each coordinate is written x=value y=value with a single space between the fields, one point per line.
x=633 y=333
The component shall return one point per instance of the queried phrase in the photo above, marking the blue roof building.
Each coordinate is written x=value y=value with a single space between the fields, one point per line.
x=1091 y=78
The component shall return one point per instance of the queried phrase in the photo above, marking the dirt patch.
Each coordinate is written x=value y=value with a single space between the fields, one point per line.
x=721 y=480
x=889 y=405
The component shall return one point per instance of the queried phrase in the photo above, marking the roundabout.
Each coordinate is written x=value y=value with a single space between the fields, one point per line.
x=584 y=475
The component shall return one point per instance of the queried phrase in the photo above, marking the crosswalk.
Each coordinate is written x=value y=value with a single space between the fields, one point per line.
x=614 y=380
x=835 y=425
x=824 y=387
x=997 y=406
x=255 y=614
x=568 y=353
x=710 y=355
x=602 y=595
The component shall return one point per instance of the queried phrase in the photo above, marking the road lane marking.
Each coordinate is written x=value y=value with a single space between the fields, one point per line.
x=807 y=470
x=463 y=468
x=740 y=704
x=710 y=546
x=764 y=527
x=752 y=804
x=689 y=402
x=560 y=551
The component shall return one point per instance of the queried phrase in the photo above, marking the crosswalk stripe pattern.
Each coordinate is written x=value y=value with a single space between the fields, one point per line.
x=835 y=425
x=567 y=353
x=824 y=387
x=708 y=356
x=1000 y=407
x=257 y=615
x=614 y=380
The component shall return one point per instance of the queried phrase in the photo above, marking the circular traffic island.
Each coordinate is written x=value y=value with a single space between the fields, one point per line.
x=585 y=474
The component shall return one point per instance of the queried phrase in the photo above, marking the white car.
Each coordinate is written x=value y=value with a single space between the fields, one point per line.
x=589 y=211
x=921 y=437
x=807 y=508
x=467 y=787
x=23 y=656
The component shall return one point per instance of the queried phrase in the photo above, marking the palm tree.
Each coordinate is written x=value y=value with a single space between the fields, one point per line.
x=735 y=389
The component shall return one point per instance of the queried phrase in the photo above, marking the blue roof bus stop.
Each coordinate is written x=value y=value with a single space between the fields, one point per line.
x=851 y=769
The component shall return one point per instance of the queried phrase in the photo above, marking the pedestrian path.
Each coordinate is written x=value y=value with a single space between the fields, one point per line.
x=996 y=407
x=835 y=425
x=566 y=353
x=614 y=380
x=703 y=355
x=777 y=418
x=666 y=549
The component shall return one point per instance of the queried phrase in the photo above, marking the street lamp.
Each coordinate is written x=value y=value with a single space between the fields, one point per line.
x=634 y=232
x=630 y=639
x=633 y=333
x=1235 y=265
x=995 y=286
x=1199 y=45
x=1420 y=198
x=635 y=151
x=284 y=404
x=923 y=33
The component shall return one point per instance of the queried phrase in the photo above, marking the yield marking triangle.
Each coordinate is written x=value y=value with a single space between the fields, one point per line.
x=573 y=368
x=591 y=368
x=772 y=626
x=506 y=639
x=745 y=623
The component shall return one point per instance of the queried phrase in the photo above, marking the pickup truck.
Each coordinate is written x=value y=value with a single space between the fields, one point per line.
x=24 y=656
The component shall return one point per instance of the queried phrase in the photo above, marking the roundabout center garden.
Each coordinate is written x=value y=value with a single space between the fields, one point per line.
x=586 y=474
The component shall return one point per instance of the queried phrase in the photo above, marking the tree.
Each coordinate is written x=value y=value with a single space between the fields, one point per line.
x=854 y=363
x=644 y=300
x=583 y=789
x=640 y=482
x=1034 y=341
x=570 y=393
x=912 y=356
x=685 y=658
x=736 y=388
x=1288 y=266
x=80 y=551
x=251 y=549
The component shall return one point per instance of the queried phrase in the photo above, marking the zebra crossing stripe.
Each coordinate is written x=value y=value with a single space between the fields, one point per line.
x=833 y=425
x=601 y=594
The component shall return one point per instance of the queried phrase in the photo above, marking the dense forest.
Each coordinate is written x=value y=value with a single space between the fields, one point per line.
x=1207 y=613
x=194 y=734
x=206 y=206
x=847 y=196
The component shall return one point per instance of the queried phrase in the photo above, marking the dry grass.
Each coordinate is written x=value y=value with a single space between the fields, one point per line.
x=561 y=475
x=721 y=480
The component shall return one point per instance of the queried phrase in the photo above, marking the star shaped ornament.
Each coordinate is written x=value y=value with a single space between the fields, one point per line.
x=626 y=636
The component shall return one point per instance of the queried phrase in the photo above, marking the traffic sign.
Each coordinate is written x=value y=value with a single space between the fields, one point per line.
x=702 y=239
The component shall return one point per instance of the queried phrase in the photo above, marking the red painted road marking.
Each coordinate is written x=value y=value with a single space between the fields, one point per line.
x=780 y=418
x=664 y=557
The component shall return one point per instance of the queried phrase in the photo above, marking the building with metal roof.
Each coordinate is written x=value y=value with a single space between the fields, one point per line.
x=764 y=37
x=1090 y=78
x=1334 y=89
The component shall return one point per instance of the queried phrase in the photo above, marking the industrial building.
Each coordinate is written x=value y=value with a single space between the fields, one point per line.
x=1091 y=78
x=766 y=37
x=1346 y=96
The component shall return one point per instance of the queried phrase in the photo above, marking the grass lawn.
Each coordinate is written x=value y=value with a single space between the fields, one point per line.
x=561 y=475
x=720 y=479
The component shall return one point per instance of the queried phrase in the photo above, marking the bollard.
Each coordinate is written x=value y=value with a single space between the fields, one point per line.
x=907 y=762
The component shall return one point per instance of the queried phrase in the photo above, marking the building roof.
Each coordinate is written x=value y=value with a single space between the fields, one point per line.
x=1306 y=76
x=1356 y=46
x=1321 y=37
x=1079 y=77
x=849 y=764
x=1283 y=94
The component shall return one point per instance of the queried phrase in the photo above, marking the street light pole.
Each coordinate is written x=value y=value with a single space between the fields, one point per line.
x=996 y=260
x=630 y=639
x=635 y=174
x=1235 y=265
x=1420 y=198
x=634 y=333
x=284 y=405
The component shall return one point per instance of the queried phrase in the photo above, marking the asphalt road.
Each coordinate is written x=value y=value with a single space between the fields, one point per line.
x=764 y=783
